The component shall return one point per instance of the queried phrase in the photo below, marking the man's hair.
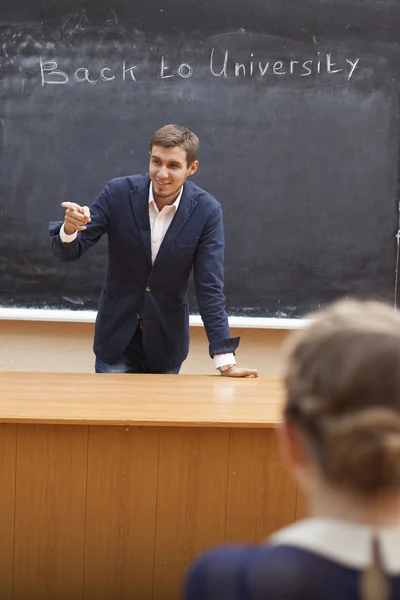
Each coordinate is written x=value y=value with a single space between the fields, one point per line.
x=176 y=135
x=343 y=392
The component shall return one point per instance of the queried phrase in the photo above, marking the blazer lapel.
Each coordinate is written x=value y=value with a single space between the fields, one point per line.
x=140 y=203
x=185 y=209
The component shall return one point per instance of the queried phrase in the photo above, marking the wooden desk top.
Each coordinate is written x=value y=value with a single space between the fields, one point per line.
x=152 y=400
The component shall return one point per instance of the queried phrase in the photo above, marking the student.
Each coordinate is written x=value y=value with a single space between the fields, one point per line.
x=342 y=434
x=160 y=226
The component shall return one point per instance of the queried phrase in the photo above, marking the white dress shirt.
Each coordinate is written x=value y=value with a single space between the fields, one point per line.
x=160 y=220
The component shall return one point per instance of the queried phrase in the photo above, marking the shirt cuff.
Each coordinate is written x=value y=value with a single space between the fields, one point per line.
x=221 y=360
x=67 y=239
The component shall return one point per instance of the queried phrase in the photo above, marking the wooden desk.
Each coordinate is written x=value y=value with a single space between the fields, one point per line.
x=110 y=484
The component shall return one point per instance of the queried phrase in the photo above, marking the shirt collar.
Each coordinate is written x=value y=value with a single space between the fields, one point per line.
x=346 y=543
x=152 y=201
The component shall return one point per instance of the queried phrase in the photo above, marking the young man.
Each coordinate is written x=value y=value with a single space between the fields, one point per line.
x=159 y=227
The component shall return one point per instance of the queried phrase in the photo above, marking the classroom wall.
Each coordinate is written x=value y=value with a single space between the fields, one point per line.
x=67 y=347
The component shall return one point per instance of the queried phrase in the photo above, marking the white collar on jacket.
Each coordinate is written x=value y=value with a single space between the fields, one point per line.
x=348 y=544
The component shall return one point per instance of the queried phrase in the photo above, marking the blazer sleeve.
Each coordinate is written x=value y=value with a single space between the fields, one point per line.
x=99 y=220
x=209 y=282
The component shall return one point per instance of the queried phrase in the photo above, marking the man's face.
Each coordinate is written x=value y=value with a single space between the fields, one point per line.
x=168 y=171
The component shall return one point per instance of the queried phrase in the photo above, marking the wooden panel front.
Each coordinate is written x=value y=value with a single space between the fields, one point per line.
x=191 y=505
x=50 y=512
x=121 y=513
x=8 y=445
x=261 y=493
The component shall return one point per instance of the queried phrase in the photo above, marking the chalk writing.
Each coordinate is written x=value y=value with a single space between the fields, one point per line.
x=220 y=65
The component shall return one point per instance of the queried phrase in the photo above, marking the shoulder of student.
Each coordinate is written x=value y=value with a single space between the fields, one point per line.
x=269 y=571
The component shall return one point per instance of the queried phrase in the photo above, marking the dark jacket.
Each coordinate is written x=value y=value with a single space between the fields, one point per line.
x=135 y=289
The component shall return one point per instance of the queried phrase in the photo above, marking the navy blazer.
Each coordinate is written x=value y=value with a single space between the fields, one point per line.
x=313 y=559
x=135 y=289
x=273 y=573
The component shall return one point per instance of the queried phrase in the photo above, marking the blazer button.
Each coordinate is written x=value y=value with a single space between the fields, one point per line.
x=148 y=289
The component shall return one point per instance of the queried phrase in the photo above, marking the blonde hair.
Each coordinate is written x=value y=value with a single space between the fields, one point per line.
x=343 y=392
x=176 y=135
x=373 y=582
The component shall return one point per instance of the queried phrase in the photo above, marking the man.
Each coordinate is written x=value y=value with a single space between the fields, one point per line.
x=159 y=227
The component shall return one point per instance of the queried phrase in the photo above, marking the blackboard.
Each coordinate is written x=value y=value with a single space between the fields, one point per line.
x=296 y=107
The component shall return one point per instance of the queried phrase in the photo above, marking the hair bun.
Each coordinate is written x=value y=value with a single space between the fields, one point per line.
x=362 y=450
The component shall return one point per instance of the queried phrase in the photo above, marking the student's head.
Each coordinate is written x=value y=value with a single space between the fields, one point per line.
x=173 y=158
x=343 y=397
